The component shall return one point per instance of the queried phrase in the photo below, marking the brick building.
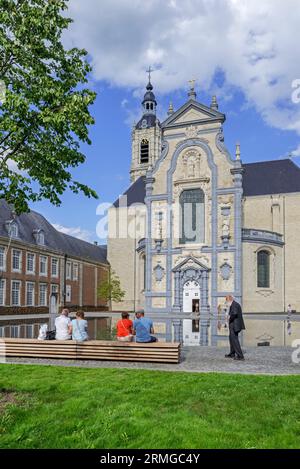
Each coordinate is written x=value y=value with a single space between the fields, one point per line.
x=36 y=260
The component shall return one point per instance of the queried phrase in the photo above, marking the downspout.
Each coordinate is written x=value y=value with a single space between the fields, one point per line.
x=65 y=279
x=284 y=256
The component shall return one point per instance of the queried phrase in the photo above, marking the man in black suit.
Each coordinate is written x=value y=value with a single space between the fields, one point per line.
x=236 y=325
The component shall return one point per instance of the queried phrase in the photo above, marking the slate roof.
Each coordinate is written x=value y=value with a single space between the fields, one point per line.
x=150 y=121
x=54 y=240
x=271 y=177
x=263 y=178
x=136 y=193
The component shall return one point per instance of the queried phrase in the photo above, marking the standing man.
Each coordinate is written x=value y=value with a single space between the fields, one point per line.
x=236 y=325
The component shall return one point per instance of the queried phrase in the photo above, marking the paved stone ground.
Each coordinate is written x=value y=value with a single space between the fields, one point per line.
x=259 y=360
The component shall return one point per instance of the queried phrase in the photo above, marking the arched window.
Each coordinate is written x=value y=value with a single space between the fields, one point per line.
x=263 y=269
x=192 y=216
x=144 y=151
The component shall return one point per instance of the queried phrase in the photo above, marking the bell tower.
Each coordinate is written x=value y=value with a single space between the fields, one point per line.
x=146 y=136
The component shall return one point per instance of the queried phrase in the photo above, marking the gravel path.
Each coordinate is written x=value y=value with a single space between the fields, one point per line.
x=259 y=360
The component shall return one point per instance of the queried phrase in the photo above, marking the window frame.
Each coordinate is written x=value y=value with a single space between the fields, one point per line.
x=69 y=273
x=33 y=293
x=31 y=272
x=46 y=264
x=13 y=251
x=13 y=226
x=266 y=285
x=183 y=240
x=46 y=294
x=144 y=151
x=75 y=277
x=3 y=267
x=57 y=267
x=12 y=290
x=3 y=282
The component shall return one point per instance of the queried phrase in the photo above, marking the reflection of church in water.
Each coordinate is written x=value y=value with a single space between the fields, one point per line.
x=207 y=224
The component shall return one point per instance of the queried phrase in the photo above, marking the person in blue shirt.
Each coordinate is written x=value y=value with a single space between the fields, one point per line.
x=143 y=328
x=79 y=327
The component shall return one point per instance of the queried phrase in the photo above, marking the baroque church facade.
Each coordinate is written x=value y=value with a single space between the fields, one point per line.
x=197 y=223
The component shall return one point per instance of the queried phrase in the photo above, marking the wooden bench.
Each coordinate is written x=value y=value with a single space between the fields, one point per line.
x=160 y=352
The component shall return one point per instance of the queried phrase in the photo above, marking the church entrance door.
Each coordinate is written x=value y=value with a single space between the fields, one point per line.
x=191 y=304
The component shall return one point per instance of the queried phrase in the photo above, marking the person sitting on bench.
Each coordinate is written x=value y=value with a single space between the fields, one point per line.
x=79 y=327
x=143 y=328
x=124 y=328
x=63 y=326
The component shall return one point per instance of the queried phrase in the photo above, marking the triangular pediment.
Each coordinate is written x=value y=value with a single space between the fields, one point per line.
x=190 y=262
x=192 y=113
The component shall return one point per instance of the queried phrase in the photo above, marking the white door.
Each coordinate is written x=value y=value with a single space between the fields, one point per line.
x=191 y=296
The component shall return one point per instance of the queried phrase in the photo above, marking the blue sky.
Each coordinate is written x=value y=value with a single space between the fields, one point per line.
x=244 y=56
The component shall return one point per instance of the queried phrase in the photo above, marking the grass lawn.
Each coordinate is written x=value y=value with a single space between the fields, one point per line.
x=55 y=407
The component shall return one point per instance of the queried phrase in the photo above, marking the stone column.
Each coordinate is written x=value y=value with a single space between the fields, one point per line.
x=176 y=305
x=178 y=333
x=204 y=314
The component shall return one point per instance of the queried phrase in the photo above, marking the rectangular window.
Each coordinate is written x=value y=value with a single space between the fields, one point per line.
x=75 y=271
x=68 y=270
x=2 y=258
x=144 y=151
x=43 y=265
x=43 y=294
x=29 y=293
x=2 y=292
x=30 y=264
x=68 y=293
x=54 y=267
x=29 y=331
x=15 y=293
x=16 y=260
x=15 y=332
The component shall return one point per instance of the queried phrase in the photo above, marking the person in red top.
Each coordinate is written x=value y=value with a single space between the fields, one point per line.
x=124 y=328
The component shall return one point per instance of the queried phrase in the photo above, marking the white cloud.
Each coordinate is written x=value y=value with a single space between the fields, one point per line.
x=253 y=42
x=296 y=153
x=77 y=232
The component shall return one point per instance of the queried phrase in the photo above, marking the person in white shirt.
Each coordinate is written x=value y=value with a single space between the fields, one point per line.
x=63 y=326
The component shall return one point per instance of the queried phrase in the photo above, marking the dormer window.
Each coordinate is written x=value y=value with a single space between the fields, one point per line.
x=12 y=229
x=144 y=151
x=39 y=237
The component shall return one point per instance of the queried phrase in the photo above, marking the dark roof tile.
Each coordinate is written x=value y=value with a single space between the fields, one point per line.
x=271 y=177
x=136 y=193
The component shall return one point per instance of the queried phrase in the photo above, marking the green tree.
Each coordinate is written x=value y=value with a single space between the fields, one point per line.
x=44 y=116
x=110 y=289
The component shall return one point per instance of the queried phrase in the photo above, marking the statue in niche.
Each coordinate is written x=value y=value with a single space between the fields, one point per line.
x=226 y=228
x=191 y=168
